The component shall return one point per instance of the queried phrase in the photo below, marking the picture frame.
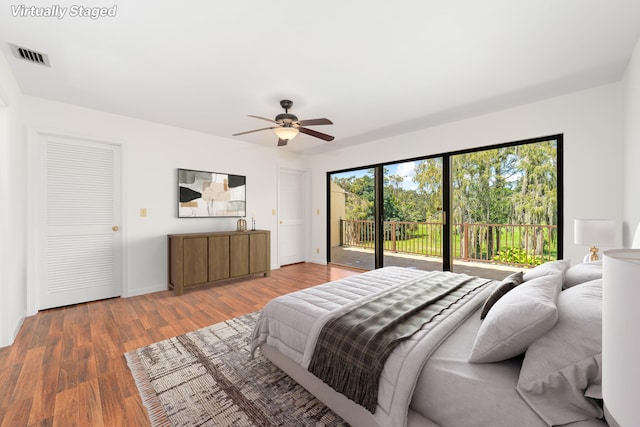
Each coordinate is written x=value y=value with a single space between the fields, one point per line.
x=203 y=194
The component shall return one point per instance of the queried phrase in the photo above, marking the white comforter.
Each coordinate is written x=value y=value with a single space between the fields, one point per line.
x=291 y=323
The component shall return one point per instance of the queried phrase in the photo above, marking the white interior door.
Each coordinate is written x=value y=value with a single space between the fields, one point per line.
x=291 y=223
x=81 y=258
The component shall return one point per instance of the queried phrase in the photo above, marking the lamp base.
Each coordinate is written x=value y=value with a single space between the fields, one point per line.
x=592 y=256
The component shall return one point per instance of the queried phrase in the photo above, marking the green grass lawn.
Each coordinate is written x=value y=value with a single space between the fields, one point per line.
x=426 y=239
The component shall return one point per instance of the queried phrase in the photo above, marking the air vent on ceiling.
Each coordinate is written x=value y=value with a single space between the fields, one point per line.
x=30 y=55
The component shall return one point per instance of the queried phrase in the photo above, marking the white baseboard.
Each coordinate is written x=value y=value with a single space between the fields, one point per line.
x=143 y=291
x=6 y=341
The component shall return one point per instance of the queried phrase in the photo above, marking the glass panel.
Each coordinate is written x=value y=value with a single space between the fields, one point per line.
x=413 y=214
x=352 y=207
x=504 y=209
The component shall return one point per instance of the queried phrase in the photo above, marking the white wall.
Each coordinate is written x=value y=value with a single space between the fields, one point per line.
x=631 y=84
x=591 y=122
x=4 y=214
x=152 y=153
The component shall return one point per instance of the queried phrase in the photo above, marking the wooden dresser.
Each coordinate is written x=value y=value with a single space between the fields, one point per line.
x=199 y=258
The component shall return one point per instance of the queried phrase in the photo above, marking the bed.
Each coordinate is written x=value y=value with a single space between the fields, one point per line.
x=523 y=351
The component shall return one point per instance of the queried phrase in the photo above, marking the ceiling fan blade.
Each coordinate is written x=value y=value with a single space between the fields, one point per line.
x=263 y=118
x=313 y=122
x=255 y=130
x=282 y=142
x=316 y=134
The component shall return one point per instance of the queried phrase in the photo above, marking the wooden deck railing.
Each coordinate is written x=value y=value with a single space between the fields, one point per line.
x=509 y=244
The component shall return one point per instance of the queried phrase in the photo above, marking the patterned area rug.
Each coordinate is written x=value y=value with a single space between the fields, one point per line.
x=207 y=378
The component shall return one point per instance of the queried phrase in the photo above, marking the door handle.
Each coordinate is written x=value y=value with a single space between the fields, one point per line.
x=280 y=222
x=115 y=228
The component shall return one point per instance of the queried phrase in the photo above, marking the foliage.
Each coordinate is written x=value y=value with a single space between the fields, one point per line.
x=360 y=193
x=518 y=256
x=508 y=185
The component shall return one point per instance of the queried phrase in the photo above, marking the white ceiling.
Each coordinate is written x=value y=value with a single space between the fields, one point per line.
x=375 y=68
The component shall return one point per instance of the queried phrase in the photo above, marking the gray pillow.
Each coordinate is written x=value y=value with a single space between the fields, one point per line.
x=520 y=317
x=505 y=286
x=582 y=273
x=561 y=375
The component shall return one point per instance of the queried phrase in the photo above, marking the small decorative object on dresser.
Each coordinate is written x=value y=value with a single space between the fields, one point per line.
x=242 y=225
x=201 y=258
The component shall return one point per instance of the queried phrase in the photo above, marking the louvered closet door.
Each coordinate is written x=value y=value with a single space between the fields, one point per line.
x=82 y=253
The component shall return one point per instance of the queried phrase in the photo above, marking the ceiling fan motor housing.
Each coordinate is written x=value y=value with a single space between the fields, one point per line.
x=286 y=118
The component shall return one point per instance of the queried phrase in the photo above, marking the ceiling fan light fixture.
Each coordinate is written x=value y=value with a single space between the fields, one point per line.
x=286 y=132
x=287 y=125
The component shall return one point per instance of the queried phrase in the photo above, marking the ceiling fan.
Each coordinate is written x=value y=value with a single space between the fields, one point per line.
x=288 y=125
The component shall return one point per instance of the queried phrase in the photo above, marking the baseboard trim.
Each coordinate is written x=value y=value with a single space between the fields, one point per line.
x=143 y=291
x=7 y=341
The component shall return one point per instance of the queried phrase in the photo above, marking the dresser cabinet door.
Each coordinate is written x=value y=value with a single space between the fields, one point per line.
x=196 y=262
x=218 y=258
x=239 y=255
x=258 y=253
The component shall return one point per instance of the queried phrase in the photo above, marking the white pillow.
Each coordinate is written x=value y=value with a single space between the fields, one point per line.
x=582 y=273
x=517 y=319
x=550 y=267
x=561 y=375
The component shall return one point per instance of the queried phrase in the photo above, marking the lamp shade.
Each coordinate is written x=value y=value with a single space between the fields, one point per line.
x=286 y=132
x=620 y=337
x=595 y=232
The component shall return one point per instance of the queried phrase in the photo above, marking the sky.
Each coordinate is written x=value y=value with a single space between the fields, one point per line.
x=405 y=170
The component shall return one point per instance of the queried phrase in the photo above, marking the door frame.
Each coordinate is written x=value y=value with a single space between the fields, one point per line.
x=35 y=205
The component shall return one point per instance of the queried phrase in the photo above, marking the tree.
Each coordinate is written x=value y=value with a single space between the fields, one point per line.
x=360 y=196
x=428 y=176
x=535 y=201
x=509 y=185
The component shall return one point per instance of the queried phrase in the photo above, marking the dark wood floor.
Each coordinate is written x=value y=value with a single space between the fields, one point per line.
x=66 y=367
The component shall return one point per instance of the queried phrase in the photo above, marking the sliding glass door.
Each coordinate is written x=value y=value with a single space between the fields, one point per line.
x=413 y=214
x=504 y=208
x=485 y=212
x=352 y=213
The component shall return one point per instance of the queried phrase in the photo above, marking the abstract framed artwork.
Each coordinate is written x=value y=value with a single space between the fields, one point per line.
x=204 y=194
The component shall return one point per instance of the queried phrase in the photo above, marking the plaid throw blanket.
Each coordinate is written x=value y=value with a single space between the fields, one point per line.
x=351 y=349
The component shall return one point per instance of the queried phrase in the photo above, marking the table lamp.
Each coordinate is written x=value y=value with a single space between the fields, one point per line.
x=592 y=232
x=620 y=338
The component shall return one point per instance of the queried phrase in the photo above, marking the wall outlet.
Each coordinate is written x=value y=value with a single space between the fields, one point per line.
x=317 y=211
x=143 y=211
x=273 y=211
x=317 y=250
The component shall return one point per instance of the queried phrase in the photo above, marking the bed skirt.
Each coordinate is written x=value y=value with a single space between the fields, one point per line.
x=350 y=411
